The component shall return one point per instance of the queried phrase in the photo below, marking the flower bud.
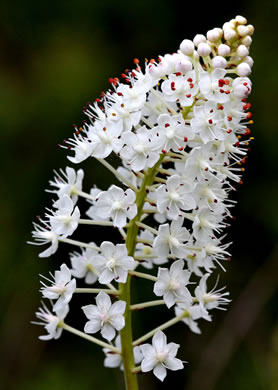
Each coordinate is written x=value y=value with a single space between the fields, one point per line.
x=247 y=40
x=219 y=62
x=223 y=50
x=242 y=51
x=204 y=49
x=241 y=20
x=213 y=35
x=243 y=30
x=183 y=66
x=249 y=61
x=243 y=69
x=250 y=29
x=228 y=26
x=187 y=47
x=199 y=38
x=229 y=34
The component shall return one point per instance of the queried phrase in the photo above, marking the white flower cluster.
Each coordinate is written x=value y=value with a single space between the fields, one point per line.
x=180 y=130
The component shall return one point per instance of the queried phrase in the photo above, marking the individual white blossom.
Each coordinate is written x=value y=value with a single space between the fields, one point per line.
x=174 y=196
x=104 y=316
x=43 y=234
x=64 y=221
x=117 y=204
x=160 y=356
x=52 y=322
x=114 y=262
x=212 y=299
x=62 y=287
x=171 y=284
x=84 y=264
x=171 y=239
x=68 y=182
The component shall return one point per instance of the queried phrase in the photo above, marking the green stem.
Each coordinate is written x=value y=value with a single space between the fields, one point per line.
x=131 y=382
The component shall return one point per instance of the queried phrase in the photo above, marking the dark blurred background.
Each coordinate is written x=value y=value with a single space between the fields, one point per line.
x=55 y=57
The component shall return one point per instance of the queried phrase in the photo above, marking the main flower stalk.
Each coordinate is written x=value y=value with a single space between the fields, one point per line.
x=132 y=233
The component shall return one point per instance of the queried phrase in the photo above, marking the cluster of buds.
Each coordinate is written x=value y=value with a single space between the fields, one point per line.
x=179 y=130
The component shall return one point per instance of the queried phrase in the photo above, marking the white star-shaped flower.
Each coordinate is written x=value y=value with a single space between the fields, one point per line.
x=171 y=284
x=117 y=204
x=62 y=287
x=114 y=262
x=160 y=356
x=105 y=316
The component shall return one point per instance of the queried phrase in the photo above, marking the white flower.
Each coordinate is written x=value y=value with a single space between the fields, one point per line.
x=210 y=300
x=84 y=264
x=64 y=221
x=172 y=131
x=171 y=239
x=82 y=148
x=51 y=322
x=172 y=283
x=113 y=359
x=182 y=88
x=207 y=122
x=160 y=356
x=140 y=151
x=117 y=204
x=114 y=262
x=44 y=235
x=174 y=196
x=61 y=289
x=104 y=137
x=191 y=314
x=68 y=182
x=105 y=316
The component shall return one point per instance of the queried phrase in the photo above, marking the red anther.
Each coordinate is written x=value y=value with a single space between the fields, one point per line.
x=244 y=100
x=178 y=73
x=247 y=106
x=227 y=82
x=103 y=93
x=221 y=82
x=188 y=95
x=98 y=100
x=123 y=75
x=163 y=151
x=220 y=107
x=245 y=84
x=185 y=139
x=229 y=131
x=243 y=161
x=247 y=131
x=136 y=61
x=167 y=124
x=189 y=80
x=180 y=148
x=210 y=121
x=237 y=144
x=120 y=94
x=152 y=61
x=127 y=80
x=159 y=59
x=230 y=118
x=191 y=85
x=227 y=92
x=111 y=80
x=133 y=74
x=173 y=86
x=221 y=90
x=249 y=115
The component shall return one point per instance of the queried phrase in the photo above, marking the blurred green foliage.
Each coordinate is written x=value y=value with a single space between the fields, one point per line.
x=55 y=57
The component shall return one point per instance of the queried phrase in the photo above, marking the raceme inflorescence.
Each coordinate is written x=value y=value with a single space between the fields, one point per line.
x=178 y=129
